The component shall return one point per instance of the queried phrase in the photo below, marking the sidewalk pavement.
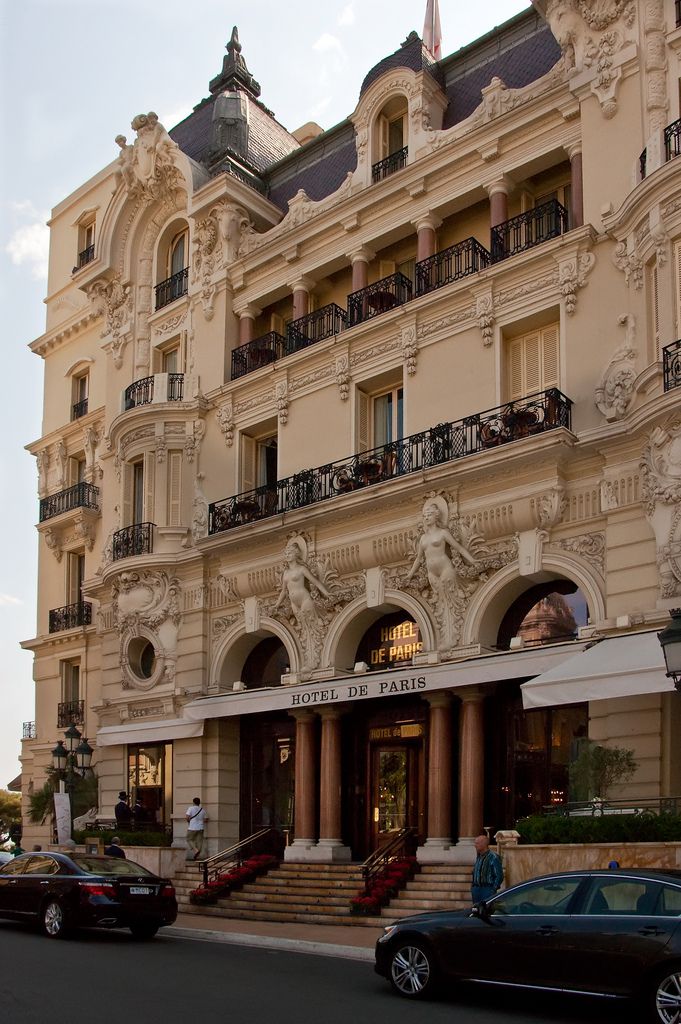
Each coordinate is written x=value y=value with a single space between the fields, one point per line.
x=350 y=942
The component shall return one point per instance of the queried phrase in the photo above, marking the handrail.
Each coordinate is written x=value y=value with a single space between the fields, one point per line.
x=381 y=857
x=216 y=864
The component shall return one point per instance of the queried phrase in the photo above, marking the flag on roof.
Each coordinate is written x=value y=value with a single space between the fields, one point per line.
x=432 y=33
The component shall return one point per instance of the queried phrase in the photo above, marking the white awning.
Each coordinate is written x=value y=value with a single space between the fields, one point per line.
x=487 y=668
x=157 y=731
x=619 y=666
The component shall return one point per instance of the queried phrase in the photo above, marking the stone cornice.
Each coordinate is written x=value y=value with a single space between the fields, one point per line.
x=66 y=331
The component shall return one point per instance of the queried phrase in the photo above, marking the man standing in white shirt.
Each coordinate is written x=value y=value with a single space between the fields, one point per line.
x=196 y=819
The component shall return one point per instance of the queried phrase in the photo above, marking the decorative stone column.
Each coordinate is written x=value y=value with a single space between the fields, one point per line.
x=330 y=846
x=471 y=772
x=426 y=227
x=439 y=840
x=498 y=201
x=305 y=788
x=301 y=297
x=360 y=259
x=247 y=317
x=574 y=151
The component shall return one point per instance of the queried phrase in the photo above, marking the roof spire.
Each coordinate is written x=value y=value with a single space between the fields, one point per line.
x=235 y=75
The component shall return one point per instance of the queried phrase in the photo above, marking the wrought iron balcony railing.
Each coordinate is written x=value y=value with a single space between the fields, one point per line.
x=70 y=616
x=257 y=353
x=133 y=540
x=141 y=392
x=81 y=495
x=671 y=364
x=314 y=327
x=175 y=387
x=86 y=256
x=79 y=409
x=460 y=260
x=28 y=732
x=379 y=297
x=384 y=168
x=446 y=442
x=172 y=288
x=528 y=229
x=672 y=140
x=71 y=712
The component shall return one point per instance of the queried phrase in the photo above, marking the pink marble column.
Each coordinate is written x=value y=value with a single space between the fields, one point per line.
x=577 y=185
x=360 y=260
x=305 y=781
x=498 y=202
x=426 y=241
x=440 y=771
x=330 y=779
x=246 y=326
x=301 y=299
x=471 y=765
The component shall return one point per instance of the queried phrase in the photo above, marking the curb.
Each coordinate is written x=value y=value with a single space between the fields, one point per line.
x=269 y=942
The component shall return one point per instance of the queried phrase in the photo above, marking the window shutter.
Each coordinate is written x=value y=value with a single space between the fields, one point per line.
x=174 y=488
x=128 y=493
x=383 y=137
x=149 y=465
x=655 y=301
x=550 y=358
x=515 y=369
x=248 y=467
x=677 y=284
x=362 y=421
x=532 y=360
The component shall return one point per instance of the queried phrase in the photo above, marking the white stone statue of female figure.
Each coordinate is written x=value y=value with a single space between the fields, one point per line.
x=436 y=547
x=295 y=584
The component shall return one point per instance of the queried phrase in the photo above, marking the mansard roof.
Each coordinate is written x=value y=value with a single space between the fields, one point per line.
x=518 y=52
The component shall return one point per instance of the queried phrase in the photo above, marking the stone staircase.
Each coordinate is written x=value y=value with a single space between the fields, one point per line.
x=321 y=893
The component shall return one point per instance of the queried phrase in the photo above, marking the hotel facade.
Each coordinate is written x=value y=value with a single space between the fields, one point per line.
x=360 y=467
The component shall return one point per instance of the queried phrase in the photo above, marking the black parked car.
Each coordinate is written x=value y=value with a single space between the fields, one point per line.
x=63 y=892
x=603 y=933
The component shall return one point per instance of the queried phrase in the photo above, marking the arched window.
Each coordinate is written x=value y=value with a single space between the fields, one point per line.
x=547 y=613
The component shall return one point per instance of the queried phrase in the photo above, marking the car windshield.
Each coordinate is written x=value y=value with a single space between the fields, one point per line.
x=109 y=866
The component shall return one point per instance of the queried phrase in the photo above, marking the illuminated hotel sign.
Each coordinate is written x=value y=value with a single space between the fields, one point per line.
x=393 y=645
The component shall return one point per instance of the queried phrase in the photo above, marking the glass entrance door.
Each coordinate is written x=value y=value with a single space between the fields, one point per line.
x=394 y=803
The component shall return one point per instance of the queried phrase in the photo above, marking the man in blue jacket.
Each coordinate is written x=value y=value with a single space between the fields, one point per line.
x=488 y=874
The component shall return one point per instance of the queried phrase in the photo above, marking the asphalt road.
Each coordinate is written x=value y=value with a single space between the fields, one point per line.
x=108 y=978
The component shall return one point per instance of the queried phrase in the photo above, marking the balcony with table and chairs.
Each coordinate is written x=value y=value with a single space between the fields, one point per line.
x=379 y=297
x=436 y=446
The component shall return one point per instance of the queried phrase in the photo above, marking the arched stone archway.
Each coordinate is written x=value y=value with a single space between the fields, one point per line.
x=236 y=645
x=349 y=627
x=492 y=600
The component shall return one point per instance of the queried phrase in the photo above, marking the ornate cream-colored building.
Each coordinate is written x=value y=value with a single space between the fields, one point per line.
x=361 y=458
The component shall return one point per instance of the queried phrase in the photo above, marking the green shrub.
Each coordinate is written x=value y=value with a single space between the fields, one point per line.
x=126 y=838
x=606 y=828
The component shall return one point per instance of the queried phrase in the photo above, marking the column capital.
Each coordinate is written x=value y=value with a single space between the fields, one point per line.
x=470 y=694
x=332 y=711
x=501 y=184
x=439 y=700
x=573 y=149
x=361 y=254
x=427 y=220
x=303 y=716
x=304 y=283
x=250 y=311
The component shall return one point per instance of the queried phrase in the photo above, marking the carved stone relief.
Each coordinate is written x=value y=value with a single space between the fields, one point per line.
x=147 y=169
x=146 y=605
x=343 y=378
x=661 y=489
x=225 y=416
x=43 y=464
x=572 y=275
x=630 y=264
x=282 y=399
x=484 y=312
x=409 y=349
x=199 y=510
x=615 y=389
x=113 y=300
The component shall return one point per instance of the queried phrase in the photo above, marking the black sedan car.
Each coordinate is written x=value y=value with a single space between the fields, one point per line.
x=615 y=934
x=63 y=892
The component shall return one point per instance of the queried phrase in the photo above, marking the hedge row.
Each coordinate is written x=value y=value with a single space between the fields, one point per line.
x=607 y=828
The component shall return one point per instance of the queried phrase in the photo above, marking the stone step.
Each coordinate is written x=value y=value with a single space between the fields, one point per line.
x=300 y=918
x=414 y=905
x=296 y=884
x=252 y=894
x=297 y=892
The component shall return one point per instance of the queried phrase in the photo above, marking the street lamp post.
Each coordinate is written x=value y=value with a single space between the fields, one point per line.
x=670 y=642
x=71 y=762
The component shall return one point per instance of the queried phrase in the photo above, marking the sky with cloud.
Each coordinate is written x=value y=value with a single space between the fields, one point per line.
x=73 y=74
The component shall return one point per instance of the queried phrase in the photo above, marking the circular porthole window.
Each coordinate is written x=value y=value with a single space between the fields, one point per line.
x=142 y=658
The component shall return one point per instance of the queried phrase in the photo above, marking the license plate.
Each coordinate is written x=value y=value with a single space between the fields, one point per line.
x=140 y=890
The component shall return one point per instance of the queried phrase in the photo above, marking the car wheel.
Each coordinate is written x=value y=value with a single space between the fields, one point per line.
x=412 y=971
x=55 y=923
x=665 y=997
x=143 y=931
